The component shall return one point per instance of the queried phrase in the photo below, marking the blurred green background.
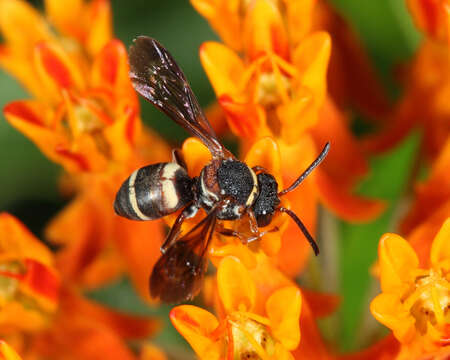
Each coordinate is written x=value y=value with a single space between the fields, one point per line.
x=28 y=181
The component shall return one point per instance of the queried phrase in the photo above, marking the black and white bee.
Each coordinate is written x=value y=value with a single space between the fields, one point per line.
x=226 y=189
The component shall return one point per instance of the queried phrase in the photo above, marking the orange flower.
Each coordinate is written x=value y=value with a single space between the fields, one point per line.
x=86 y=118
x=43 y=317
x=414 y=302
x=29 y=284
x=266 y=92
x=254 y=318
x=243 y=332
x=427 y=82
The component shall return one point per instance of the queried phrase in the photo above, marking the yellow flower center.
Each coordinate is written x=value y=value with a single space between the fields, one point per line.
x=8 y=283
x=429 y=300
x=270 y=89
x=251 y=339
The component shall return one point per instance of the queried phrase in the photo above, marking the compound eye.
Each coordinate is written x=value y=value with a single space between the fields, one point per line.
x=264 y=219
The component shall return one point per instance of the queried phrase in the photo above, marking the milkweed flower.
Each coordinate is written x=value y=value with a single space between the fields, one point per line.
x=243 y=332
x=426 y=83
x=42 y=315
x=254 y=318
x=277 y=88
x=30 y=284
x=415 y=300
x=85 y=117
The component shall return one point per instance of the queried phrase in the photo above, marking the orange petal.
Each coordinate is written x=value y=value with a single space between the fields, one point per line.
x=223 y=67
x=248 y=121
x=232 y=248
x=29 y=116
x=264 y=31
x=440 y=250
x=311 y=344
x=347 y=206
x=311 y=58
x=299 y=18
x=91 y=339
x=196 y=325
x=388 y=309
x=122 y=135
x=235 y=285
x=22 y=26
x=151 y=352
x=17 y=242
x=56 y=69
x=302 y=107
x=333 y=127
x=196 y=155
x=65 y=16
x=139 y=256
x=284 y=315
x=321 y=304
x=295 y=250
x=397 y=261
x=110 y=69
x=20 y=68
x=421 y=238
x=386 y=348
x=99 y=31
x=266 y=153
x=224 y=18
x=123 y=325
x=7 y=352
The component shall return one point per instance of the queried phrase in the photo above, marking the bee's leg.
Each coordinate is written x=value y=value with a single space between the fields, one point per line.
x=259 y=169
x=261 y=234
x=253 y=222
x=188 y=212
x=230 y=232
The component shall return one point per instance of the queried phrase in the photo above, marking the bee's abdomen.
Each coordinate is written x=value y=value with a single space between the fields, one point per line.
x=154 y=191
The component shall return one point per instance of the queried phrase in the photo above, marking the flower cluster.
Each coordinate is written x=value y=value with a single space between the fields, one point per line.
x=285 y=75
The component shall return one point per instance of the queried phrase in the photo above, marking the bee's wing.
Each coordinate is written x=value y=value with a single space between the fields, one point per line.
x=178 y=274
x=157 y=77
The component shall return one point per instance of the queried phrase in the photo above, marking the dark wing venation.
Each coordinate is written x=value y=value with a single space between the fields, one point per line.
x=156 y=76
x=178 y=274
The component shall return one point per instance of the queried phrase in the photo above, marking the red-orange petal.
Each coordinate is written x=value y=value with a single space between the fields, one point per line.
x=321 y=304
x=248 y=121
x=333 y=128
x=123 y=325
x=56 y=69
x=347 y=206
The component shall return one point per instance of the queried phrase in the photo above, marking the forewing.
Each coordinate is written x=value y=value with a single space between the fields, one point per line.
x=178 y=274
x=156 y=76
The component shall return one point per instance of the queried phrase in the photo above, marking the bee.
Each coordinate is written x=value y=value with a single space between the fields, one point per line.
x=226 y=189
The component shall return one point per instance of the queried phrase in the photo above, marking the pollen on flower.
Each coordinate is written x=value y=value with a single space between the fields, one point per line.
x=270 y=87
x=250 y=339
x=429 y=301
